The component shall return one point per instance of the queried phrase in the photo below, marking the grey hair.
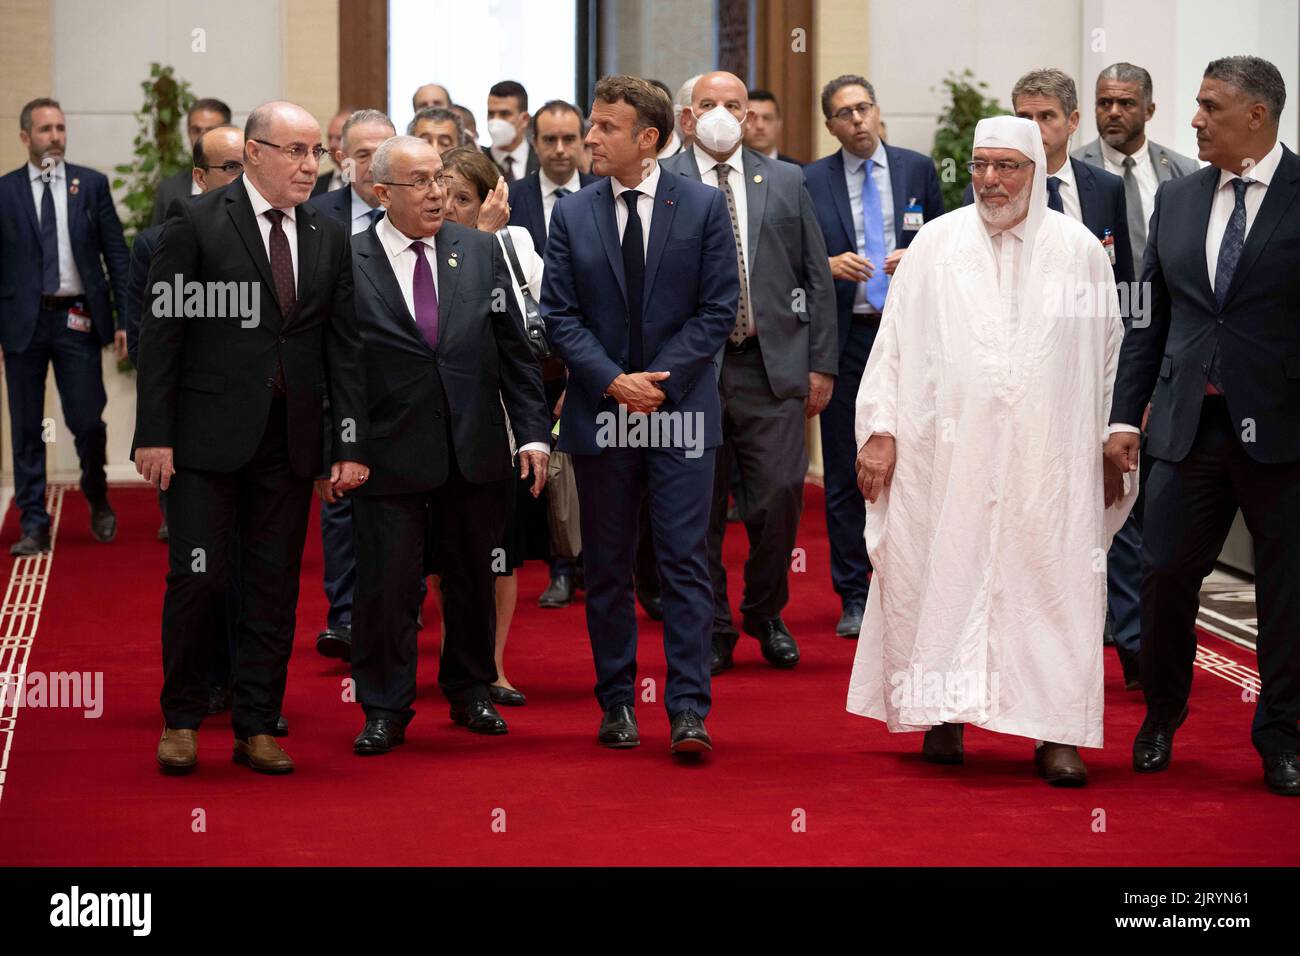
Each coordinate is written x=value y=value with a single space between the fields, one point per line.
x=381 y=166
x=437 y=114
x=364 y=118
x=684 y=98
x=1047 y=82
x=1256 y=77
x=1128 y=73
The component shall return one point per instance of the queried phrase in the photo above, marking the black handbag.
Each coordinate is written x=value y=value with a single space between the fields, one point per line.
x=534 y=326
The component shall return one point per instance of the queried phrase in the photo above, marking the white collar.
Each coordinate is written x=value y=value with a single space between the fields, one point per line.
x=519 y=154
x=33 y=173
x=852 y=161
x=396 y=242
x=1065 y=174
x=261 y=205
x=672 y=147
x=1261 y=172
x=1116 y=158
x=359 y=205
x=549 y=186
x=705 y=162
x=1018 y=230
x=646 y=187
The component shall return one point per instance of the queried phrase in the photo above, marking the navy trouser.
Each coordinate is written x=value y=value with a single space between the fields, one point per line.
x=340 y=560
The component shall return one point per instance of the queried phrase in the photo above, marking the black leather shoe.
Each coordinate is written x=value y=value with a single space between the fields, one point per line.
x=776 y=642
x=1154 y=743
x=479 y=716
x=1282 y=774
x=653 y=604
x=1132 y=672
x=30 y=544
x=219 y=698
x=506 y=696
x=721 y=657
x=335 y=642
x=943 y=744
x=559 y=593
x=618 y=728
x=378 y=737
x=851 y=620
x=103 y=523
x=689 y=735
x=281 y=726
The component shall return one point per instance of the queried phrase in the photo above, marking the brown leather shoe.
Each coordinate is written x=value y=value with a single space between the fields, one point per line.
x=178 y=750
x=1060 y=765
x=943 y=744
x=262 y=753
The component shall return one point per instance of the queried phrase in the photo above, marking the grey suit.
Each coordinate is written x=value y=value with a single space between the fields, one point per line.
x=763 y=388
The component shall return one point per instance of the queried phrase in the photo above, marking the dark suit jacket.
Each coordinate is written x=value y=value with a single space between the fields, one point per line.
x=177 y=186
x=323 y=184
x=1101 y=201
x=526 y=206
x=532 y=165
x=692 y=288
x=786 y=252
x=911 y=176
x=142 y=250
x=337 y=204
x=1257 y=332
x=97 y=245
x=204 y=383
x=418 y=397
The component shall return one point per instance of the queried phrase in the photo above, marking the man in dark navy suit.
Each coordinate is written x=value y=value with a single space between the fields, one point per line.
x=1219 y=364
x=640 y=292
x=868 y=223
x=357 y=209
x=61 y=248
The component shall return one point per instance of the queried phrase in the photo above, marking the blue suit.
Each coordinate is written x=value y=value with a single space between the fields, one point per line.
x=526 y=206
x=336 y=203
x=692 y=289
x=34 y=337
x=911 y=178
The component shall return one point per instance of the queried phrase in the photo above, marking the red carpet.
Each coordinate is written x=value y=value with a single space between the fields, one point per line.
x=86 y=791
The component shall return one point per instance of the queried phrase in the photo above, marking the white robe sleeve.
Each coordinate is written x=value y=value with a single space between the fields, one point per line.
x=1103 y=276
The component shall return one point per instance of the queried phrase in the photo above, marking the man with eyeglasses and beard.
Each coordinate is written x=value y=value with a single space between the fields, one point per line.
x=230 y=422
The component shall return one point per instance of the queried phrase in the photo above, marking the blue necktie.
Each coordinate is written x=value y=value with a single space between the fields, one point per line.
x=1054 y=194
x=634 y=274
x=1234 y=238
x=49 y=240
x=873 y=238
x=376 y=214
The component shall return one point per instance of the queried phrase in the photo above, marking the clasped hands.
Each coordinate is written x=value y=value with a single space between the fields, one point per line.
x=639 y=391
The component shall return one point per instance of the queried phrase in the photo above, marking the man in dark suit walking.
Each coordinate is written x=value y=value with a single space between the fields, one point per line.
x=639 y=294
x=441 y=357
x=205 y=114
x=61 y=249
x=778 y=364
x=1219 y=364
x=868 y=222
x=230 y=419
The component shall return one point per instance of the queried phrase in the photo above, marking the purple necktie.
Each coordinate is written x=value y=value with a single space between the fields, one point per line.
x=426 y=297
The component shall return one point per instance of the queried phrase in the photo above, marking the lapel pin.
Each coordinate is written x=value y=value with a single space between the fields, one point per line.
x=452 y=262
x=758 y=178
x=668 y=202
x=75 y=187
x=1164 y=160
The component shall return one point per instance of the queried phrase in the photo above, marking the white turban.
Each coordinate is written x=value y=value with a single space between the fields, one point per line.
x=1015 y=132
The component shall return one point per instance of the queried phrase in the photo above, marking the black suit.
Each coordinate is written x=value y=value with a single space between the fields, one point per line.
x=1215 y=454
x=242 y=407
x=441 y=464
x=179 y=185
x=526 y=207
x=531 y=165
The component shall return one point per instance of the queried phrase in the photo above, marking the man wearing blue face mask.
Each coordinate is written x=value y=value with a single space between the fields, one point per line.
x=777 y=367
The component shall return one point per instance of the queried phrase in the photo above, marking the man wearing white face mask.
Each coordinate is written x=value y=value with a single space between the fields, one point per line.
x=508 y=118
x=778 y=366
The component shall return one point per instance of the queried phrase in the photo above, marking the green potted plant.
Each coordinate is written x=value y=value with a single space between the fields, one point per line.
x=967 y=105
x=160 y=149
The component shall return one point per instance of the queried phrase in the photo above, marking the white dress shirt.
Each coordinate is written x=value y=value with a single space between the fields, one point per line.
x=548 y=194
x=1144 y=170
x=288 y=224
x=69 y=277
x=645 y=205
x=736 y=180
x=402 y=259
x=672 y=147
x=518 y=158
x=1225 y=197
x=194 y=188
x=853 y=179
x=360 y=213
x=1069 y=190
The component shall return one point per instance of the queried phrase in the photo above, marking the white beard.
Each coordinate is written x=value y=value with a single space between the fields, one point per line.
x=1008 y=212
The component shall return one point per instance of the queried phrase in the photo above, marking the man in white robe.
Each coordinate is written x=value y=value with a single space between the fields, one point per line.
x=980 y=423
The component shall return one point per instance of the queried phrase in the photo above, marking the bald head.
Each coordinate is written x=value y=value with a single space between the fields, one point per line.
x=431 y=94
x=279 y=153
x=218 y=157
x=711 y=91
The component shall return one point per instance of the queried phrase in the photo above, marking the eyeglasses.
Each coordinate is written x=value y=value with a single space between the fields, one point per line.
x=297 y=152
x=1005 y=167
x=846 y=114
x=233 y=166
x=422 y=183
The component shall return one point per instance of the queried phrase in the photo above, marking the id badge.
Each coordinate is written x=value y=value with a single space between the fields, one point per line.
x=913 y=217
x=78 y=319
x=1108 y=243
